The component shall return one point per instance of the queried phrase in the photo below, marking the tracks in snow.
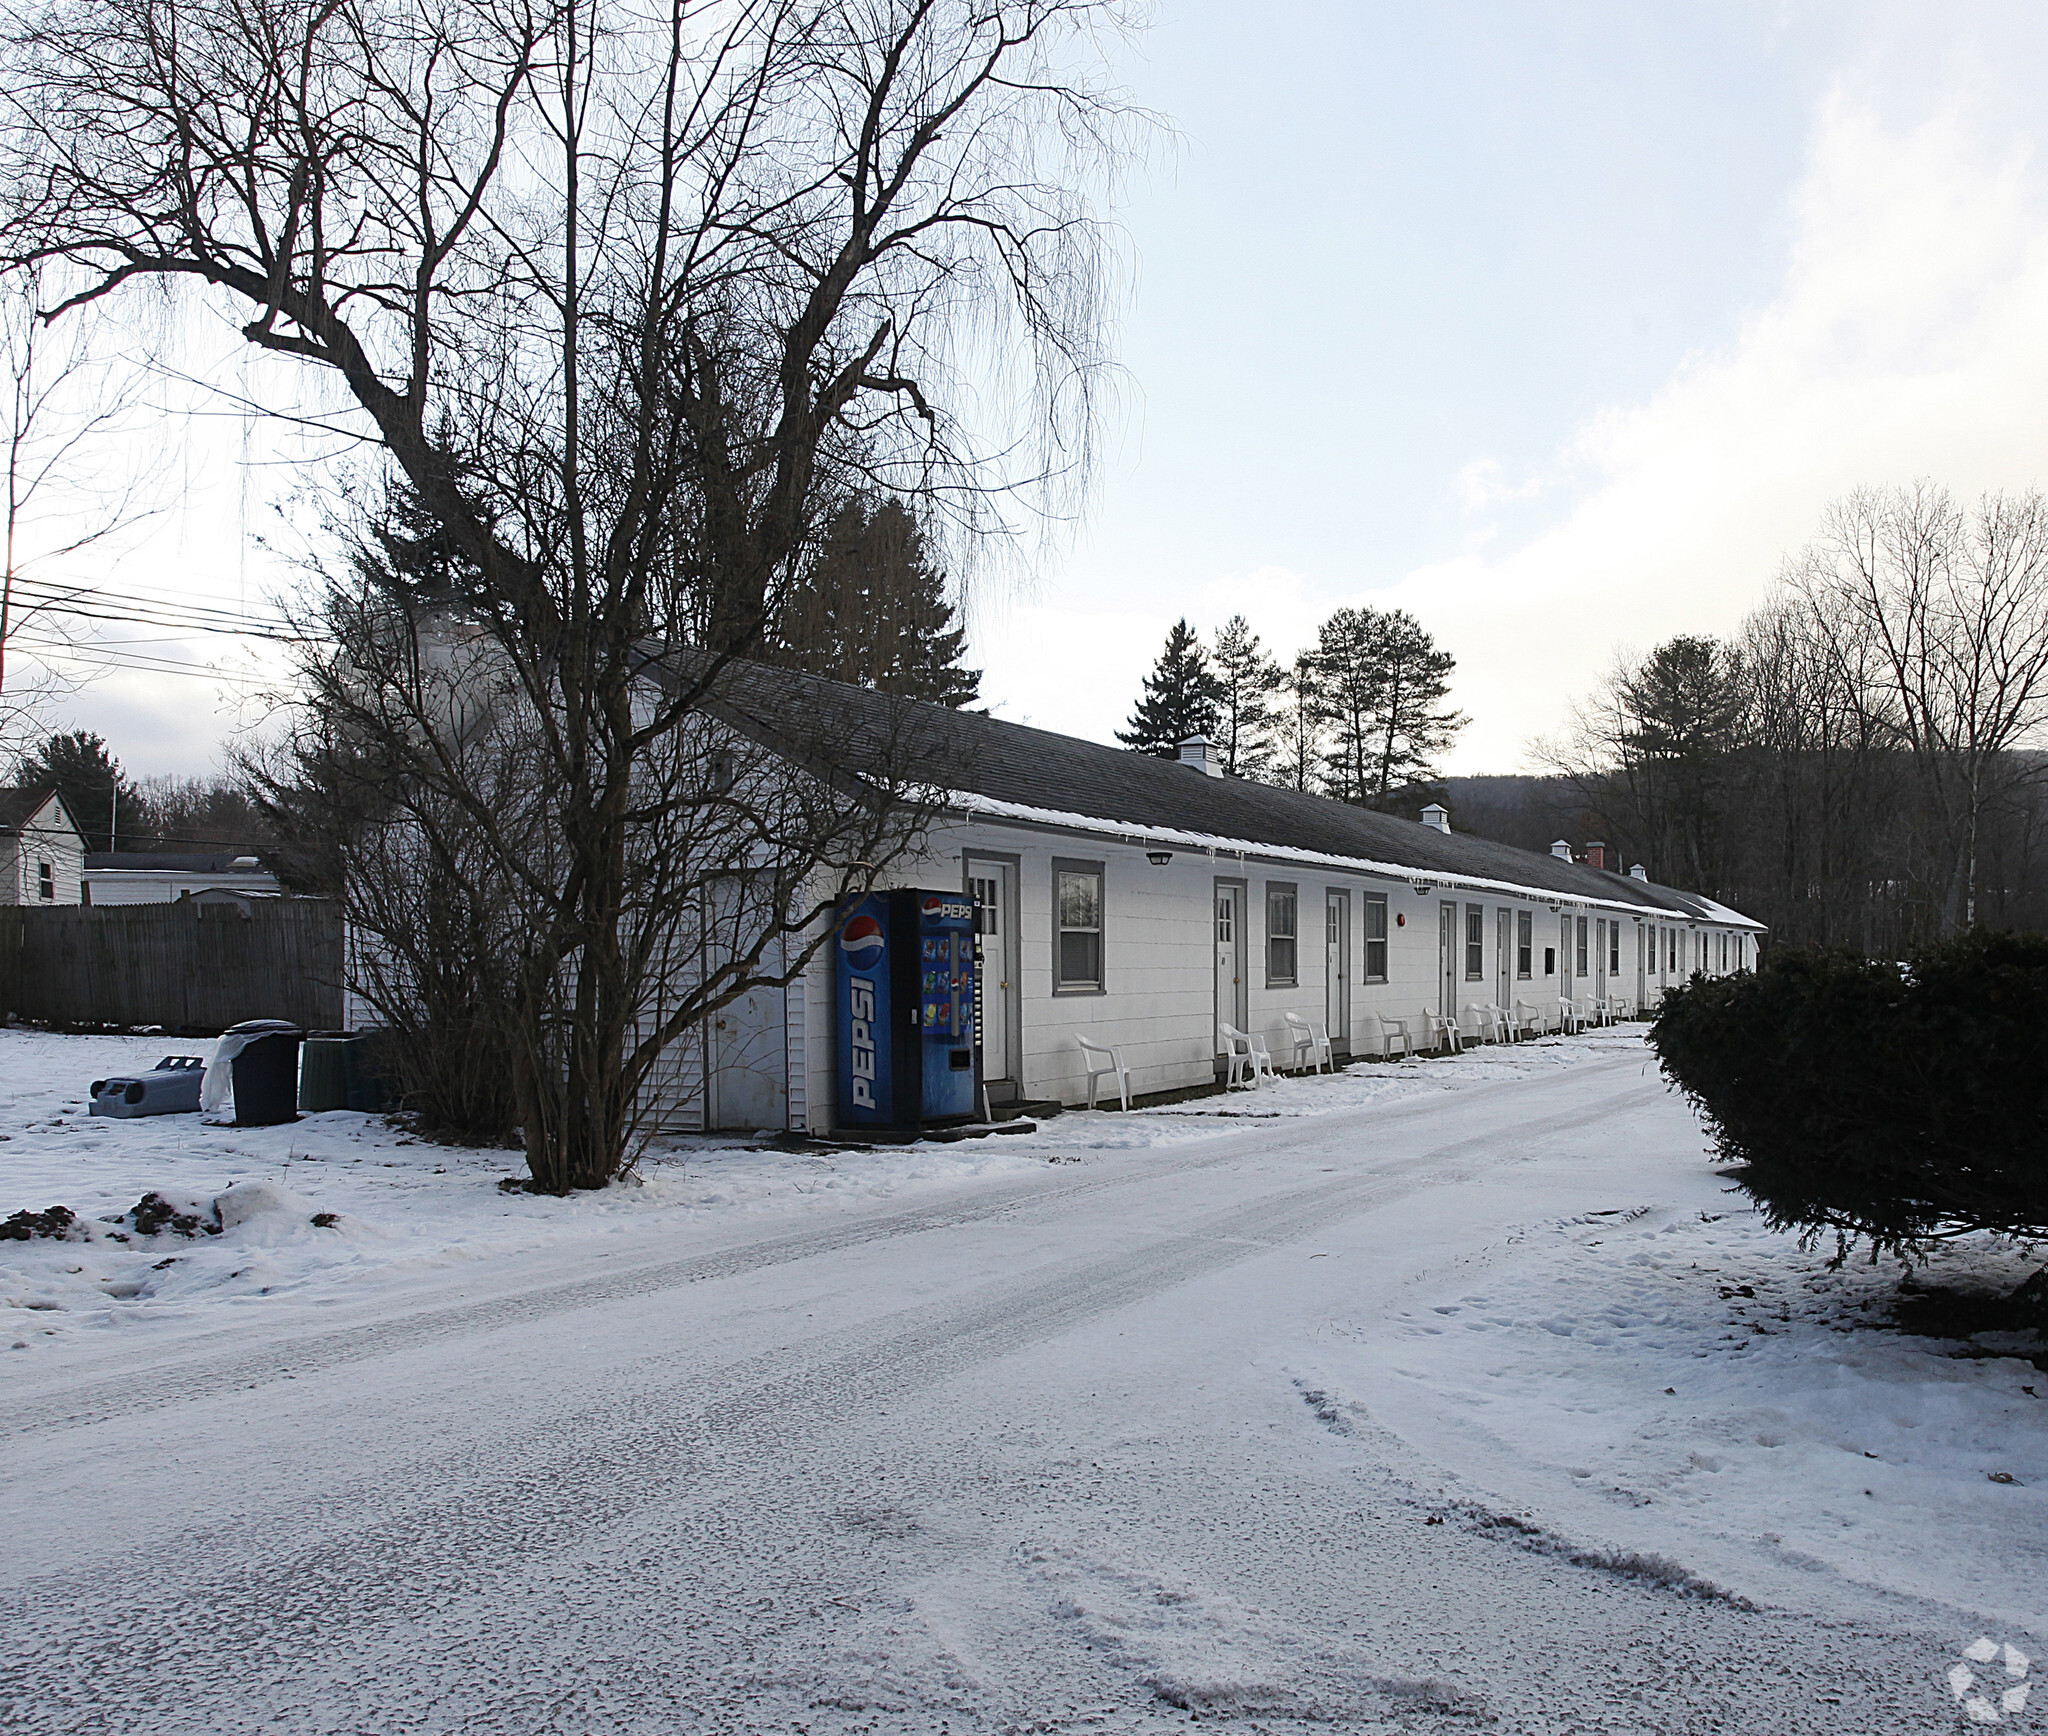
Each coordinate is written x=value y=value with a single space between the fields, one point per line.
x=188 y=1378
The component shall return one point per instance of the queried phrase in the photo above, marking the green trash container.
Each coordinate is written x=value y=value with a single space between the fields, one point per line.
x=323 y=1071
x=340 y=1070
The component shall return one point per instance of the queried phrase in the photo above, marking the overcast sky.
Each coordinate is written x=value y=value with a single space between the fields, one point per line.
x=1555 y=324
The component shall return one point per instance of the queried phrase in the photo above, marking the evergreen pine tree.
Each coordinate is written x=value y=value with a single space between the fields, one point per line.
x=872 y=610
x=1301 y=727
x=110 y=810
x=1684 y=713
x=1383 y=684
x=1180 y=698
x=1247 y=680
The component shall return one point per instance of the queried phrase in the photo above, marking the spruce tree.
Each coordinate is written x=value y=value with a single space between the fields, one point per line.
x=871 y=609
x=1247 y=679
x=108 y=808
x=1180 y=698
x=1383 y=684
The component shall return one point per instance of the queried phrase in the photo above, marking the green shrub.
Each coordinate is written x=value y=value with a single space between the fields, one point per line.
x=1894 y=1103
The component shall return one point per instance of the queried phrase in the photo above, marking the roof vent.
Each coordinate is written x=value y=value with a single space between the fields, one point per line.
x=1561 y=850
x=245 y=862
x=1200 y=752
x=1639 y=872
x=1437 y=815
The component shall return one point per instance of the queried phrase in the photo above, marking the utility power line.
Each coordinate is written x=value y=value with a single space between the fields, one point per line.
x=35 y=596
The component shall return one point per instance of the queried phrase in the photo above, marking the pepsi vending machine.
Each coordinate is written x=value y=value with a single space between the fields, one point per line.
x=904 y=987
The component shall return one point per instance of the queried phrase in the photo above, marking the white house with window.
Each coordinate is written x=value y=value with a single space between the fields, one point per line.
x=1145 y=903
x=42 y=851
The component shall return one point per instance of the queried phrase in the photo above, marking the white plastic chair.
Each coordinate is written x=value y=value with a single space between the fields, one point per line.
x=1512 y=1026
x=1569 y=1021
x=1533 y=1020
x=1112 y=1064
x=1475 y=1023
x=1443 y=1031
x=1388 y=1032
x=1311 y=1043
x=1250 y=1060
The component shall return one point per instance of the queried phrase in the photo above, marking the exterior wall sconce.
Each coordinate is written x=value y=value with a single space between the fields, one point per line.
x=1555 y=908
x=1159 y=858
x=1423 y=888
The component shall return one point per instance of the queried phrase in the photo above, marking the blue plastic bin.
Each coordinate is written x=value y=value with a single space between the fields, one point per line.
x=169 y=1088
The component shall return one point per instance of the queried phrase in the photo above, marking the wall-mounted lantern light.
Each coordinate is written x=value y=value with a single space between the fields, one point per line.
x=1423 y=888
x=1159 y=858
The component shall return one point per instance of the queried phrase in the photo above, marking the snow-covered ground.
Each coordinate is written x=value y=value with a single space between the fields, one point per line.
x=1438 y=1396
x=404 y=1207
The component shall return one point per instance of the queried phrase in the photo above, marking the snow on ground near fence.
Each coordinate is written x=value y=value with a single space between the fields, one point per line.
x=1798 y=1437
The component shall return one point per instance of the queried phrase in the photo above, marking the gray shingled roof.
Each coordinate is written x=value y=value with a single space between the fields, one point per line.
x=21 y=803
x=828 y=724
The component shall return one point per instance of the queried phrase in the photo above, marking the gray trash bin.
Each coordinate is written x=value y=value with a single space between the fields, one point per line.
x=171 y=1087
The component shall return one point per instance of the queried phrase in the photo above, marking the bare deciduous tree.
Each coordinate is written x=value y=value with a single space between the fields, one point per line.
x=631 y=295
x=67 y=487
x=1942 y=614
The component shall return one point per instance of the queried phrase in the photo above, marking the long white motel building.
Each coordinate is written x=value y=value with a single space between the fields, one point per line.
x=1143 y=902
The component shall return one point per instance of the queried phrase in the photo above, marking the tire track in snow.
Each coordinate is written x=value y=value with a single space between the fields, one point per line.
x=330 y=1606
x=194 y=1378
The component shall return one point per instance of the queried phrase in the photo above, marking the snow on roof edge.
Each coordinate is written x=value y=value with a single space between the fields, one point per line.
x=965 y=801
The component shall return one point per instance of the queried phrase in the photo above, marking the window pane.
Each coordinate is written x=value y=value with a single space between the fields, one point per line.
x=1280 y=958
x=1080 y=958
x=1080 y=900
x=1280 y=913
x=1375 y=919
x=1376 y=959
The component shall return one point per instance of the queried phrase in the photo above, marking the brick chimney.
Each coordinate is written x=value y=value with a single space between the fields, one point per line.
x=1200 y=752
x=1596 y=855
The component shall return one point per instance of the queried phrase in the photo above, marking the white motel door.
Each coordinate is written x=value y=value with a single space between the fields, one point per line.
x=1230 y=983
x=1447 y=960
x=1337 y=968
x=746 y=1058
x=989 y=885
x=749 y=1067
x=1503 y=954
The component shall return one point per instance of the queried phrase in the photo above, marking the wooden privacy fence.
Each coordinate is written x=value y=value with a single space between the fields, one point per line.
x=190 y=966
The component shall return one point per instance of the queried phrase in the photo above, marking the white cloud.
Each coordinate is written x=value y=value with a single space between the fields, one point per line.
x=1909 y=338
